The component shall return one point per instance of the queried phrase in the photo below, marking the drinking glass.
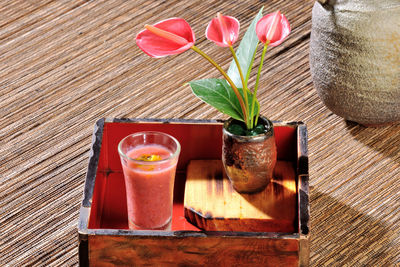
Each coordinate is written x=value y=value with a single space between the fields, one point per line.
x=149 y=162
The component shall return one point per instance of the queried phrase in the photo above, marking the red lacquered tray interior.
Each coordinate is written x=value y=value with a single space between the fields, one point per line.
x=198 y=141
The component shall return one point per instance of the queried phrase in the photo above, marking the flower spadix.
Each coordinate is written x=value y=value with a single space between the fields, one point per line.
x=273 y=28
x=167 y=37
x=223 y=30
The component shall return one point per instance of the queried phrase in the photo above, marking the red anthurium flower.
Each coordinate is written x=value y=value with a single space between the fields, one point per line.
x=274 y=28
x=168 y=37
x=223 y=30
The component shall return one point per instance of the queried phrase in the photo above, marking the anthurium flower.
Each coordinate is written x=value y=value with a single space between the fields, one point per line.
x=174 y=36
x=223 y=30
x=167 y=37
x=273 y=28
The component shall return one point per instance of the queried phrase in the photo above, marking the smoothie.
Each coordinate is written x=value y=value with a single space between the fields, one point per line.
x=149 y=181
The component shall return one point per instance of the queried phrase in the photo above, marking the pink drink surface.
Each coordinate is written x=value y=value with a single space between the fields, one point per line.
x=149 y=188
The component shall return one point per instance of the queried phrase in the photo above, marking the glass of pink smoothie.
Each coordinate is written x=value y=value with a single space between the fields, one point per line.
x=149 y=164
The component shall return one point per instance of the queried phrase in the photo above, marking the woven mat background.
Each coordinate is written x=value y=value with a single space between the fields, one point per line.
x=65 y=64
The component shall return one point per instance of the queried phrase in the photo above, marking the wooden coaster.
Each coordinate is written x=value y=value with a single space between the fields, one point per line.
x=213 y=205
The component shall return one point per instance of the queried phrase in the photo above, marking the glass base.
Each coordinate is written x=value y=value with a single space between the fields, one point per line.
x=165 y=227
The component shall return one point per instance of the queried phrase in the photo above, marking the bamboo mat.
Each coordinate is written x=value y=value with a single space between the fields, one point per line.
x=65 y=64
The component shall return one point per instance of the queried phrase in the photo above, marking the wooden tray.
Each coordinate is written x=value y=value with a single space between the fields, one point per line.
x=212 y=204
x=104 y=237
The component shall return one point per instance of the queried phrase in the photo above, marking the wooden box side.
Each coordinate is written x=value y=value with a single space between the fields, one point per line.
x=85 y=209
x=302 y=170
x=193 y=251
x=303 y=195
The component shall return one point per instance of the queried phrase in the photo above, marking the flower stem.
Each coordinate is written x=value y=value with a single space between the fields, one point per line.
x=251 y=65
x=235 y=90
x=245 y=90
x=256 y=86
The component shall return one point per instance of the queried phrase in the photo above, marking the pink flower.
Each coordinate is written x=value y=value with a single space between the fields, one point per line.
x=167 y=37
x=223 y=30
x=273 y=27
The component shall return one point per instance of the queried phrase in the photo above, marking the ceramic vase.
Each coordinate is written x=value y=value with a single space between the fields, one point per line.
x=355 y=59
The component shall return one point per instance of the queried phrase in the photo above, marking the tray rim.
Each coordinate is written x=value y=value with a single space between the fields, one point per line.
x=302 y=174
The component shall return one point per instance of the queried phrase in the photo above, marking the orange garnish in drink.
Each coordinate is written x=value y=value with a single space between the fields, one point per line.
x=149 y=157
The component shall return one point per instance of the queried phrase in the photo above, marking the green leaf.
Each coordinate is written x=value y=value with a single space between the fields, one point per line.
x=245 y=52
x=219 y=94
x=259 y=129
x=237 y=129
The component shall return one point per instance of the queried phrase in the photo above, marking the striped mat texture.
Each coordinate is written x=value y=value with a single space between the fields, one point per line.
x=65 y=64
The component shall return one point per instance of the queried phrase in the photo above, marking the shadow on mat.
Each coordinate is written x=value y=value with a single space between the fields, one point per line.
x=385 y=140
x=343 y=236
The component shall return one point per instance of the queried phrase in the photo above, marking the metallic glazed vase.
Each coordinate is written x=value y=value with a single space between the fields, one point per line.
x=249 y=161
